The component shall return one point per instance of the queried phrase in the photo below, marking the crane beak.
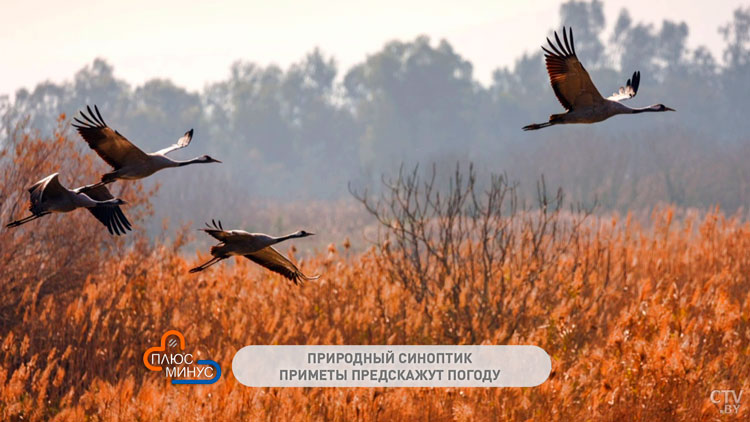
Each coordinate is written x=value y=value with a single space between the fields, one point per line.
x=669 y=109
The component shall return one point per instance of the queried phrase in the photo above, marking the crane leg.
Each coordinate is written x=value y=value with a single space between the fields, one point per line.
x=25 y=220
x=102 y=183
x=207 y=264
x=535 y=126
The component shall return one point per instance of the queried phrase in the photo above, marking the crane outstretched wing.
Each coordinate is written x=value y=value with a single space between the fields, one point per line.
x=109 y=144
x=181 y=143
x=216 y=230
x=570 y=81
x=271 y=258
x=47 y=189
x=112 y=217
x=629 y=90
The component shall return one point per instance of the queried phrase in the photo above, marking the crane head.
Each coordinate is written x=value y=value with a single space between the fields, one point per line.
x=208 y=159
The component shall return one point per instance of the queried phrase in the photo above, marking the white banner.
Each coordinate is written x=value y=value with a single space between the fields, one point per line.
x=391 y=366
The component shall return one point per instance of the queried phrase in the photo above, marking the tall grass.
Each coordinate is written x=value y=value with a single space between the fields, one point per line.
x=642 y=323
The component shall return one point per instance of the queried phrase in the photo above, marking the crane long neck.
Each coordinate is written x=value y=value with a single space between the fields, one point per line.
x=287 y=237
x=642 y=109
x=85 y=201
x=193 y=161
x=109 y=203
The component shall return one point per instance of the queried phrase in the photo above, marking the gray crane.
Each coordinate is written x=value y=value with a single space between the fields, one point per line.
x=48 y=196
x=578 y=94
x=256 y=247
x=128 y=161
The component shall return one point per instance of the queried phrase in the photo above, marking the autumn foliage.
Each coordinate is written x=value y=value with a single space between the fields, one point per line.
x=642 y=321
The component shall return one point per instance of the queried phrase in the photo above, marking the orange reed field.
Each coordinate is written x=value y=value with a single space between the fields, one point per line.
x=641 y=322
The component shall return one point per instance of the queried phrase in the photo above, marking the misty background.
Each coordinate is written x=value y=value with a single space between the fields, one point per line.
x=298 y=136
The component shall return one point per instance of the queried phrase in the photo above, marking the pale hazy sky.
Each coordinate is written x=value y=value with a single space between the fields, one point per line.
x=194 y=44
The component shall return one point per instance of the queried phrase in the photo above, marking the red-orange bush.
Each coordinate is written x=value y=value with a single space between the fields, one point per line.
x=641 y=323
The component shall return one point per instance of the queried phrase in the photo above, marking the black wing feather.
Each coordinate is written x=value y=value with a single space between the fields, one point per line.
x=110 y=216
x=293 y=276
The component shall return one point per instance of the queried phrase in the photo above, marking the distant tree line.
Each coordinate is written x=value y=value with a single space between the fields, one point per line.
x=306 y=131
